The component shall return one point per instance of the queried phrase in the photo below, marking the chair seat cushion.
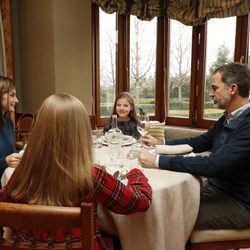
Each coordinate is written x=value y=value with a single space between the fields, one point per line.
x=220 y=235
x=172 y=132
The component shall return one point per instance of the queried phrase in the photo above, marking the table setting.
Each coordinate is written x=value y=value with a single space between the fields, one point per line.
x=175 y=201
x=168 y=222
x=99 y=139
x=126 y=140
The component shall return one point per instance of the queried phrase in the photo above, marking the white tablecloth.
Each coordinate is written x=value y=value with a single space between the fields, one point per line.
x=169 y=221
x=6 y=175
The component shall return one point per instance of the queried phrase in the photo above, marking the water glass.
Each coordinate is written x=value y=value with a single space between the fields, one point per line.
x=134 y=151
x=115 y=145
x=115 y=150
x=97 y=138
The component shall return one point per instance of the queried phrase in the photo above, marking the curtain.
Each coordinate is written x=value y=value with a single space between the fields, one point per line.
x=201 y=11
x=189 y=12
x=143 y=9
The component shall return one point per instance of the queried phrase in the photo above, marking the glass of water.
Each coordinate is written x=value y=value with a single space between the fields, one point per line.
x=97 y=138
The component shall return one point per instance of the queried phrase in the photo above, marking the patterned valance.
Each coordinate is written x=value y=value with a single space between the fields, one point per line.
x=143 y=9
x=203 y=10
x=189 y=12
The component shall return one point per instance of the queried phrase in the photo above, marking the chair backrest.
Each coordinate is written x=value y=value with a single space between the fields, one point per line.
x=92 y=120
x=32 y=218
x=220 y=239
x=24 y=124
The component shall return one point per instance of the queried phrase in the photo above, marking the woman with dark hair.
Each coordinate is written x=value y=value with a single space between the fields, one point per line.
x=8 y=102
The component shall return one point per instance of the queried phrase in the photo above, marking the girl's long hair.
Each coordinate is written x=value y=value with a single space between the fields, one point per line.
x=6 y=85
x=56 y=165
x=132 y=114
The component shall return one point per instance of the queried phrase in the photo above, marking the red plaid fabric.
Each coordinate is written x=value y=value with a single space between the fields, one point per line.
x=134 y=197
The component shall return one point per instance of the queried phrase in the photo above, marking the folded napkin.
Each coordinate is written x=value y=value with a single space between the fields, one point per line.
x=156 y=131
x=173 y=149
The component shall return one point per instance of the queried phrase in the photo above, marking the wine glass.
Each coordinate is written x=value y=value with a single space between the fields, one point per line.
x=143 y=128
x=97 y=138
x=143 y=125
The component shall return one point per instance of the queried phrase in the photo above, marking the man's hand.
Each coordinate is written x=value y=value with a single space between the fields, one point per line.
x=13 y=160
x=150 y=140
x=146 y=159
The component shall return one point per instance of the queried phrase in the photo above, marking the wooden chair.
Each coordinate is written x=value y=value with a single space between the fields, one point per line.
x=24 y=124
x=220 y=239
x=92 y=120
x=48 y=218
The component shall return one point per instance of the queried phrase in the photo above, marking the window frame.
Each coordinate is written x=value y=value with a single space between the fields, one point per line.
x=122 y=69
x=197 y=78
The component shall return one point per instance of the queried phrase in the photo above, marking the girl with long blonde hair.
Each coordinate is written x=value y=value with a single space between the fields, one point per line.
x=57 y=167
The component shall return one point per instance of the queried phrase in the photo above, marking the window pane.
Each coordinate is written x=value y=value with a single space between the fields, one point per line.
x=107 y=62
x=220 y=50
x=179 y=69
x=142 y=63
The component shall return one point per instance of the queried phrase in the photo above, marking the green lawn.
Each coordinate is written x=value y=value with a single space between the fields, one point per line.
x=209 y=113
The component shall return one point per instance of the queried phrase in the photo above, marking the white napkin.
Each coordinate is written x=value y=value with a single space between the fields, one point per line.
x=173 y=149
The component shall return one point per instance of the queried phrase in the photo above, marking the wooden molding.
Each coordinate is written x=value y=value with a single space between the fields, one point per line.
x=5 y=6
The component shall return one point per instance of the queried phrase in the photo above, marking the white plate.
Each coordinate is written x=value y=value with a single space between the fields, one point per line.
x=127 y=140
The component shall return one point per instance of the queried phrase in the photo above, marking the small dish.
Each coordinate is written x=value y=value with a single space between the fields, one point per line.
x=126 y=140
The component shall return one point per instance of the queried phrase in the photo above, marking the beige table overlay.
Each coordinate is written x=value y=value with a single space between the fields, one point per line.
x=169 y=221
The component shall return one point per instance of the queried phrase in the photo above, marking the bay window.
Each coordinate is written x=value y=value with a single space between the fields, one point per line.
x=164 y=64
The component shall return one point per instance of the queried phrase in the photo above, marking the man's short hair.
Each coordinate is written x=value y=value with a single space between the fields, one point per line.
x=236 y=73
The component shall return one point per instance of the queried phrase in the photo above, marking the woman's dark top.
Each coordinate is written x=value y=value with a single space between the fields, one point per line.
x=6 y=143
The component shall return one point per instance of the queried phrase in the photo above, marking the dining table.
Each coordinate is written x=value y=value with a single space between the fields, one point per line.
x=169 y=221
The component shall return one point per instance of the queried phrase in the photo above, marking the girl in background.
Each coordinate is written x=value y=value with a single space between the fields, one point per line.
x=8 y=102
x=57 y=169
x=127 y=120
